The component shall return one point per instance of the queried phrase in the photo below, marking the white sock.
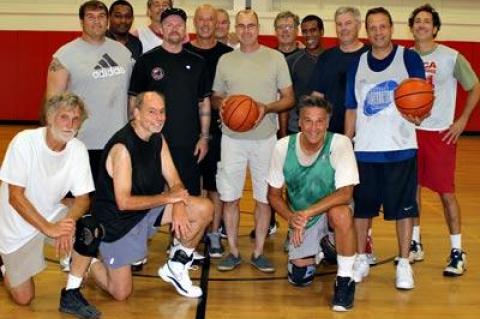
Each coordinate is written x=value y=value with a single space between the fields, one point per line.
x=369 y=232
x=3 y=270
x=456 y=241
x=345 y=266
x=416 y=233
x=73 y=282
x=403 y=261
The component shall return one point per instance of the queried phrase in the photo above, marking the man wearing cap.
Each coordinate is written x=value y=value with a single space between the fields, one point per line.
x=182 y=77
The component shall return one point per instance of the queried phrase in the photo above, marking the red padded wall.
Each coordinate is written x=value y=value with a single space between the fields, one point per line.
x=25 y=57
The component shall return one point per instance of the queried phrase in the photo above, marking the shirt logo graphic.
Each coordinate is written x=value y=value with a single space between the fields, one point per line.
x=106 y=68
x=379 y=97
x=157 y=73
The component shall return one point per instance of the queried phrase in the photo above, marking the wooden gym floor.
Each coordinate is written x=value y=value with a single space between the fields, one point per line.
x=247 y=293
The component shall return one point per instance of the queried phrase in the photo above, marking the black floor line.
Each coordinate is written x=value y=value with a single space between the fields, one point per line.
x=202 y=305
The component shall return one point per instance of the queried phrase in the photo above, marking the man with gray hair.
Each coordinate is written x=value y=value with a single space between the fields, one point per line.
x=40 y=167
x=286 y=30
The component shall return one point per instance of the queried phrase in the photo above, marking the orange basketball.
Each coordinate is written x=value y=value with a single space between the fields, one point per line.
x=414 y=97
x=240 y=112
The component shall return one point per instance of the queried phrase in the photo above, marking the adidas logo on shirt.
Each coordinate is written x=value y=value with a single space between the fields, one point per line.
x=107 y=67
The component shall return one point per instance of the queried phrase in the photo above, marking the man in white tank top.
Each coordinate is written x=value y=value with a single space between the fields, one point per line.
x=438 y=134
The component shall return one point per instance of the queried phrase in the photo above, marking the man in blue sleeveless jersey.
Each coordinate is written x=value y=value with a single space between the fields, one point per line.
x=319 y=170
x=385 y=142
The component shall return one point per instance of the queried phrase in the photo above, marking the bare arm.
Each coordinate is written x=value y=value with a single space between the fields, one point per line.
x=119 y=168
x=283 y=121
x=350 y=119
x=79 y=207
x=217 y=100
x=25 y=208
x=286 y=101
x=204 y=113
x=57 y=78
x=456 y=129
x=279 y=204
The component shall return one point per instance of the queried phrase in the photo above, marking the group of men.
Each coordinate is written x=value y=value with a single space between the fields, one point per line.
x=152 y=137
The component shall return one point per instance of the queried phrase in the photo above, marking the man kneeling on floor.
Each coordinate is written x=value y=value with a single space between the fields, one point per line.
x=319 y=171
x=136 y=164
x=40 y=167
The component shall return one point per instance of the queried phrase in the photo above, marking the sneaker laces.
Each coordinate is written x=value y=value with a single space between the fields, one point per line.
x=341 y=288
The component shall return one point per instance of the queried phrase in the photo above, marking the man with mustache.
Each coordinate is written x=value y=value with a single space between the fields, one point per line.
x=40 y=167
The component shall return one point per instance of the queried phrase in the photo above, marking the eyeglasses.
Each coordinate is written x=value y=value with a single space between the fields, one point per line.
x=287 y=27
x=248 y=27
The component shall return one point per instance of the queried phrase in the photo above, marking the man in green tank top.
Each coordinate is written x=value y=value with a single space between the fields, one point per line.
x=319 y=170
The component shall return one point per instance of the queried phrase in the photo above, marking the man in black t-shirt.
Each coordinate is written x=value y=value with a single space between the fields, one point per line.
x=120 y=20
x=329 y=77
x=182 y=77
x=211 y=50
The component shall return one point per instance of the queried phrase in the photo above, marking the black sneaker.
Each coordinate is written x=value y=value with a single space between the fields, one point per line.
x=344 y=293
x=457 y=263
x=72 y=302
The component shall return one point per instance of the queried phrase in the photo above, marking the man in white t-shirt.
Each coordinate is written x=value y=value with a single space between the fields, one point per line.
x=319 y=170
x=40 y=167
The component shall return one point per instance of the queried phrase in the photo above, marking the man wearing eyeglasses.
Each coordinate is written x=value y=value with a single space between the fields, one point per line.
x=262 y=73
x=286 y=30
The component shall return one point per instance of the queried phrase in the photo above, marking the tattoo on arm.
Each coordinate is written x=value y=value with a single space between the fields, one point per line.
x=55 y=66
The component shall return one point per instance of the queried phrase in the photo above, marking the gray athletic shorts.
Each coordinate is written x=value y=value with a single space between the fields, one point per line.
x=133 y=246
x=311 y=240
x=28 y=260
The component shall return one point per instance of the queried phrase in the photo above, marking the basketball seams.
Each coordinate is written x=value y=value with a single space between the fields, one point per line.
x=234 y=109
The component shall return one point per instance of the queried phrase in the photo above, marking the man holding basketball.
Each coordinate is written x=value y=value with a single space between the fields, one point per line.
x=385 y=142
x=261 y=73
x=438 y=134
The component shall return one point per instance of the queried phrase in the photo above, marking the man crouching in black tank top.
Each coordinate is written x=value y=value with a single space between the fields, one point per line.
x=136 y=164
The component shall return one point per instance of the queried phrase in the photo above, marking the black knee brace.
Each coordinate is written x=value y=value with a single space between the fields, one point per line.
x=329 y=250
x=88 y=235
x=300 y=276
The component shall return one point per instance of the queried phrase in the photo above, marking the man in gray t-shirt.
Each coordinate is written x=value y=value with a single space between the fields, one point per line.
x=98 y=70
x=261 y=73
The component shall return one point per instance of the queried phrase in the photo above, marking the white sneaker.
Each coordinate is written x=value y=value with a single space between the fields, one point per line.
x=416 y=252
x=361 y=268
x=404 y=277
x=371 y=259
x=175 y=271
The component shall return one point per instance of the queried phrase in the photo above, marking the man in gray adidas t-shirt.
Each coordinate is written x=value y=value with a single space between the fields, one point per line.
x=98 y=70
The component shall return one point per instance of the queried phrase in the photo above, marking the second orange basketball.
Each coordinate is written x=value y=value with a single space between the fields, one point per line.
x=414 y=97
x=240 y=112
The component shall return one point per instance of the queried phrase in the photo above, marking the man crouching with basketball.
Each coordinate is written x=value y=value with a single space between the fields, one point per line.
x=319 y=170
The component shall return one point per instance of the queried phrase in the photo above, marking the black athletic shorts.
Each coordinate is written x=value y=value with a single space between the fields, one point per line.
x=208 y=167
x=187 y=167
x=393 y=185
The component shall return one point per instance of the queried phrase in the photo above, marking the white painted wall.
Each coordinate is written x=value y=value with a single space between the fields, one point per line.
x=460 y=18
